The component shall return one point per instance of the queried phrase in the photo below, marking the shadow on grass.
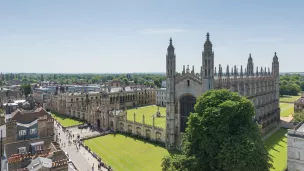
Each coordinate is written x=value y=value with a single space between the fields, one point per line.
x=148 y=141
x=275 y=139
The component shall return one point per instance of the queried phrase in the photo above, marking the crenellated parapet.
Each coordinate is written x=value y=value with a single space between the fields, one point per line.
x=186 y=74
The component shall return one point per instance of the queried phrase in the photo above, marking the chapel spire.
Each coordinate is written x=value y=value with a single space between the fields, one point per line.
x=208 y=44
x=170 y=47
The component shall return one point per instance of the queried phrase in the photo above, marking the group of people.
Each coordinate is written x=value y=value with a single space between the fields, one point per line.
x=74 y=139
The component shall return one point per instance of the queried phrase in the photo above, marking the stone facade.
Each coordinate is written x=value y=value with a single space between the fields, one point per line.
x=9 y=94
x=106 y=110
x=85 y=105
x=299 y=104
x=118 y=121
x=261 y=87
x=161 y=97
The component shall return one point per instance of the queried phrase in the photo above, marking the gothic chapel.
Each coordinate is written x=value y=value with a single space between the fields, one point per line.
x=261 y=87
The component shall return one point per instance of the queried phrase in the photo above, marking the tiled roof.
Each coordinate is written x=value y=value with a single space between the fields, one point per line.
x=23 y=116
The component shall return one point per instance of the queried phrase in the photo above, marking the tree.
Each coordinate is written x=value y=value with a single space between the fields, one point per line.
x=26 y=89
x=221 y=136
x=135 y=80
x=125 y=81
x=298 y=116
x=302 y=85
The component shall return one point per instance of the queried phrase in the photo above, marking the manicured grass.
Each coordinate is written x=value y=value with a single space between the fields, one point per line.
x=148 y=111
x=125 y=153
x=289 y=99
x=65 y=121
x=276 y=145
x=286 y=109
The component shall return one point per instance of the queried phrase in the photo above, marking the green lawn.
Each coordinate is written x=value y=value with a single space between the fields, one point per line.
x=65 y=121
x=289 y=99
x=148 y=111
x=286 y=109
x=276 y=145
x=127 y=154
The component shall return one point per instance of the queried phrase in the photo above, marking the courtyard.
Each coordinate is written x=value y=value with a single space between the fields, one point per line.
x=65 y=121
x=125 y=153
x=149 y=112
x=276 y=145
x=289 y=99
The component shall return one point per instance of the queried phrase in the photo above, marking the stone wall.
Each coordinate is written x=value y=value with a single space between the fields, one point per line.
x=138 y=128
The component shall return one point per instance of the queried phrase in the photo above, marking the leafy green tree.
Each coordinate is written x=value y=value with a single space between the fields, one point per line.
x=302 y=86
x=135 y=80
x=298 y=116
x=125 y=81
x=221 y=136
x=26 y=89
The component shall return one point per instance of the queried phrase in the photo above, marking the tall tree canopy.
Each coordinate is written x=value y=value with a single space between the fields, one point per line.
x=26 y=89
x=221 y=136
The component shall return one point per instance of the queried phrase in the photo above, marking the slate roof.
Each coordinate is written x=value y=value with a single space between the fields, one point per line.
x=300 y=100
x=39 y=163
x=27 y=116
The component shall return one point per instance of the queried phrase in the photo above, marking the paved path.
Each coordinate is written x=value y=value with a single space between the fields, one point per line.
x=287 y=119
x=81 y=158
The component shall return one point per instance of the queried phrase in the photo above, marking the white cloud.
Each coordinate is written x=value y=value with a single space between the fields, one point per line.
x=162 y=31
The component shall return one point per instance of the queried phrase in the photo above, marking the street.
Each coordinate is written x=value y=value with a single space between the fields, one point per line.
x=81 y=158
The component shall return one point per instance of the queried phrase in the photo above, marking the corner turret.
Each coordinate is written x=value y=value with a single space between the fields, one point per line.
x=250 y=71
x=208 y=65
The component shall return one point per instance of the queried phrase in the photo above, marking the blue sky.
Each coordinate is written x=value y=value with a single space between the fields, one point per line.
x=53 y=36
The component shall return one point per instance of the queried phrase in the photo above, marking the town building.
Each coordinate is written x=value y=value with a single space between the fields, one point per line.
x=164 y=84
x=29 y=142
x=261 y=87
x=161 y=96
x=295 y=148
x=11 y=93
x=299 y=104
x=85 y=105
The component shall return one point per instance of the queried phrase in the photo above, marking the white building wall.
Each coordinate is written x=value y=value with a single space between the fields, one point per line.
x=295 y=153
x=161 y=97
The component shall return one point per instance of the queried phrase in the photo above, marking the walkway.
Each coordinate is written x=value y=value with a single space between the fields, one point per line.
x=82 y=159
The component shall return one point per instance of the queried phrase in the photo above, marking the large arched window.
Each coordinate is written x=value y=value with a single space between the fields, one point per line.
x=187 y=103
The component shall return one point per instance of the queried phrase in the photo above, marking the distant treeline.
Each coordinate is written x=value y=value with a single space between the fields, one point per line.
x=291 y=84
x=149 y=79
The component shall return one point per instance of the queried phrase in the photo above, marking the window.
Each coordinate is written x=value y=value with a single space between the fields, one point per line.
x=33 y=131
x=22 y=150
x=38 y=147
x=188 y=83
x=22 y=132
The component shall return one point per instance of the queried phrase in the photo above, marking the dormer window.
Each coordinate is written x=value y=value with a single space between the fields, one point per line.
x=22 y=150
